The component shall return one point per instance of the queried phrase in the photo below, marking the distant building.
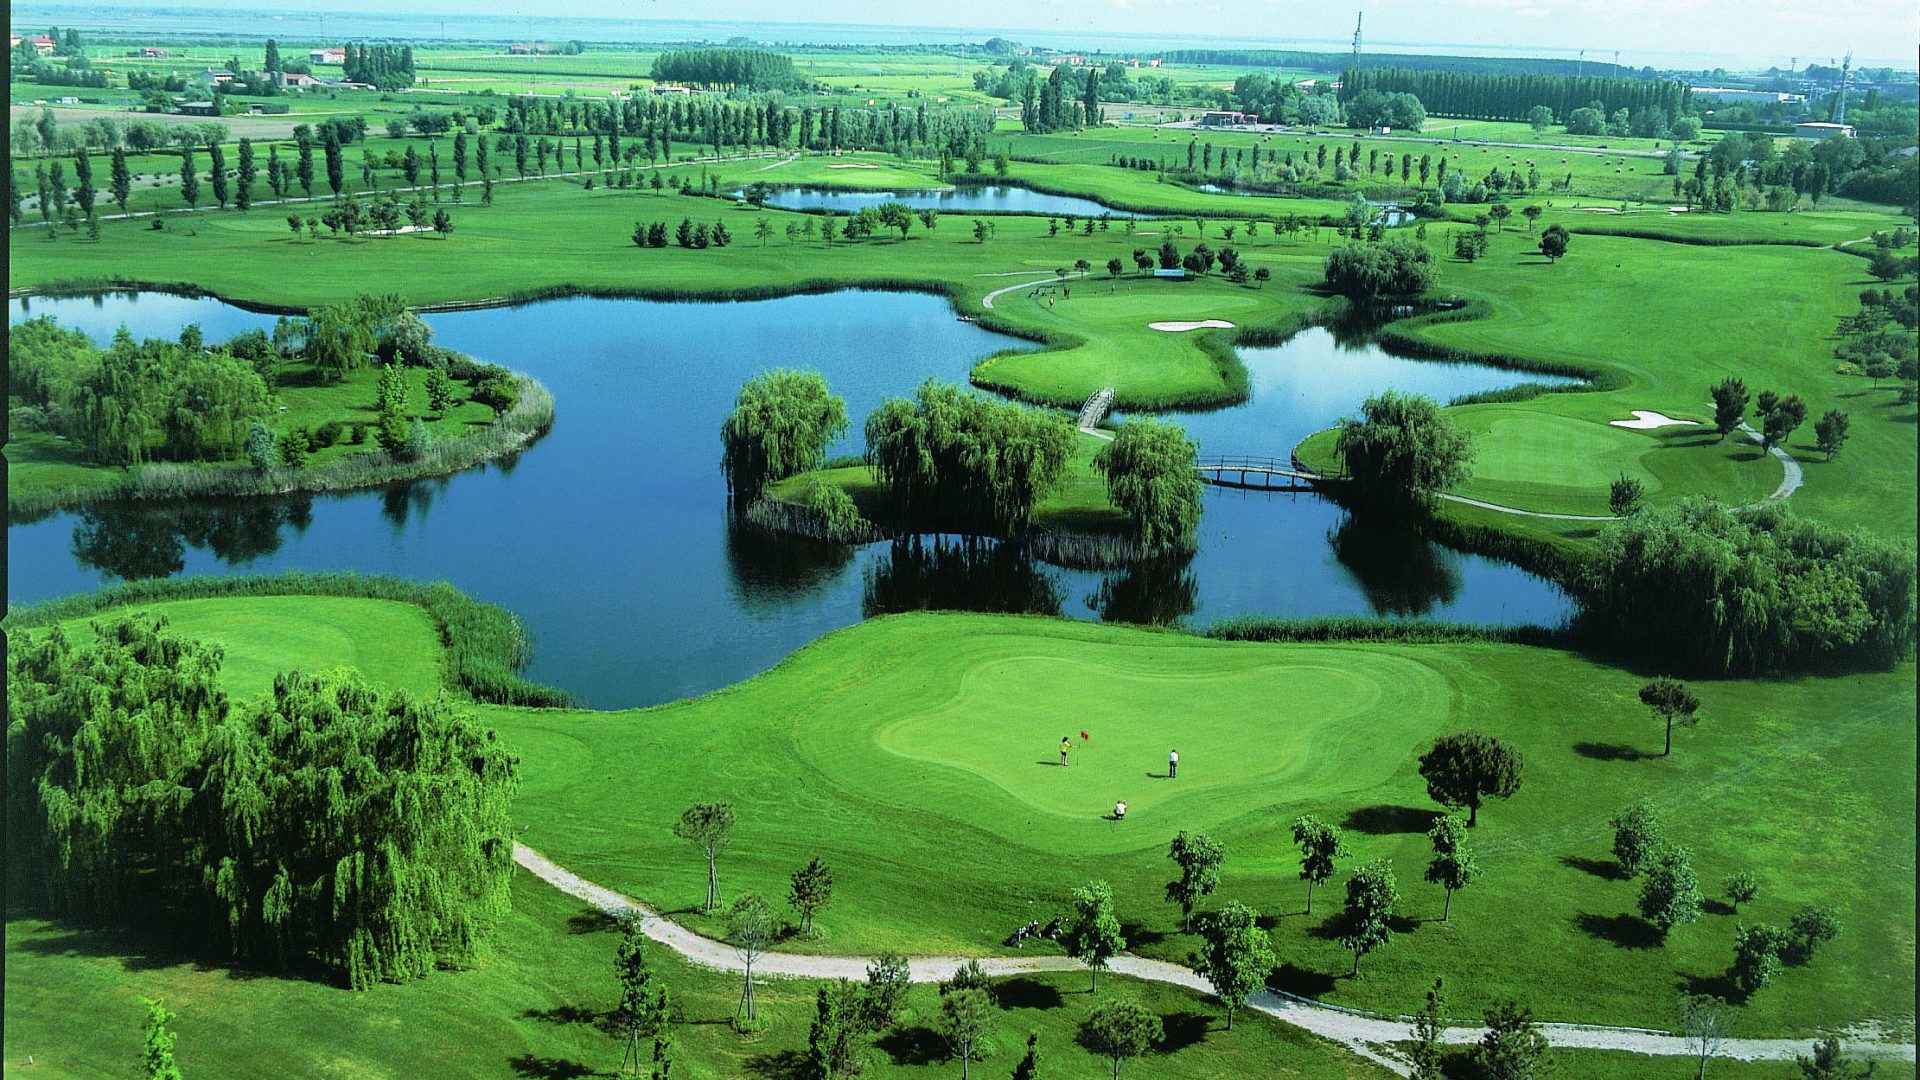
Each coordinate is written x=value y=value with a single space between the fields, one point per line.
x=42 y=45
x=294 y=80
x=534 y=49
x=1155 y=62
x=1224 y=117
x=198 y=108
x=1729 y=93
x=1823 y=130
x=152 y=53
x=327 y=56
x=210 y=78
x=688 y=90
x=1069 y=59
x=68 y=100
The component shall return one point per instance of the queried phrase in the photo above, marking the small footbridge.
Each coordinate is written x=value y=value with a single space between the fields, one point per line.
x=1258 y=474
x=1095 y=410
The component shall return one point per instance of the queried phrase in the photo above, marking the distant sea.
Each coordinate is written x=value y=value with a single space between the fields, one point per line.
x=306 y=26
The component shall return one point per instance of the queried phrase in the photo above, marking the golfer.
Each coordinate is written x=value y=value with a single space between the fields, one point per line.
x=1064 y=747
x=1173 y=764
x=1120 y=810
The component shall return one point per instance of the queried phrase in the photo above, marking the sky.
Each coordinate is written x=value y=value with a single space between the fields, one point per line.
x=1767 y=31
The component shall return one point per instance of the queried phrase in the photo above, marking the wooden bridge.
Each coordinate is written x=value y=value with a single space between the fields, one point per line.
x=1258 y=474
x=1096 y=408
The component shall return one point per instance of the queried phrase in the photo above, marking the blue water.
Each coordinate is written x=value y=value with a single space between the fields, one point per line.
x=611 y=537
x=995 y=198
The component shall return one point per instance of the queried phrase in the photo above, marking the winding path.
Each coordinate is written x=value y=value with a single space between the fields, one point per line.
x=1368 y=1035
x=987 y=300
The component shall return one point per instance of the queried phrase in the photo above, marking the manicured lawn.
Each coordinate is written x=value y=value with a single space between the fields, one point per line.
x=393 y=644
x=918 y=753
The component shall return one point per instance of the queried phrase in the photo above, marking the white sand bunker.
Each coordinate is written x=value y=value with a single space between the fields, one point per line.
x=853 y=165
x=1644 y=420
x=1203 y=324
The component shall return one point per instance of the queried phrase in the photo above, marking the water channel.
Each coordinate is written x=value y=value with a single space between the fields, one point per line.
x=612 y=539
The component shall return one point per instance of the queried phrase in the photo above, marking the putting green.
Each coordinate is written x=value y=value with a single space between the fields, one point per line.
x=1001 y=722
x=391 y=642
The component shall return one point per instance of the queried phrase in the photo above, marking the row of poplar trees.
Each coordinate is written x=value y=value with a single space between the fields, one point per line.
x=327 y=825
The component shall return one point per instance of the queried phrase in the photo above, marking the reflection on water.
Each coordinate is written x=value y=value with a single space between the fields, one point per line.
x=135 y=540
x=994 y=198
x=965 y=573
x=768 y=572
x=1159 y=592
x=1403 y=573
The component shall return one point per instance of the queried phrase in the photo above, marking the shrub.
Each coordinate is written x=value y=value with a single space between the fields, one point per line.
x=328 y=434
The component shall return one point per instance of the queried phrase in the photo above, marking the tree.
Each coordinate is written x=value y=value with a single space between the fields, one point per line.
x=217 y=172
x=1553 y=242
x=1320 y=846
x=1091 y=934
x=1365 y=922
x=1150 y=474
x=964 y=1016
x=1235 y=955
x=1741 y=887
x=245 y=173
x=443 y=223
x=1830 y=432
x=1028 y=1067
x=496 y=392
x=888 y=977
x=391 y=407
x=709 y=827
x=1811 y=928
x=1400 y=451
x=1262 y=275
x=1373 y=272
x=1669 y=893
x=1452 y=866
x=1782 y=420
x=781 y=425
x=1885 y=265
x=1705 y=1023
x=838 y=1022
x=1513 y=1047
x=1120 y=1031
x=1672 y=702
x=1532 y=214
x=156 y=1050
x=439 y=392
x=1429 y=1037
x=1729 y=406
x=750 y=928
x=121 y=179
x=1115 y=268
x=1467 y=767
x=1500 y=212
x=189 y=179
x=1827 y=1064
x=1199 y=860
x=1756 y=956
x=1637 y=835
x=84 y=192
x=1626 y=495
x=643 y=1008
x=810 y=890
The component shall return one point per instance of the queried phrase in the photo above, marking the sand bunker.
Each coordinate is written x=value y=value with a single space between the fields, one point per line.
x=1644 y=420
x=1203 y=324
x=853 y=165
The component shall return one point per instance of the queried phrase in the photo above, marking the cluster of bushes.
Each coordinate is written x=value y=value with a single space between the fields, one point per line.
x=949 y=457
x=1878 y=341
x=1393 y=268
x=688 y=235
x=135 y=402
x=1707 y=589
x=326 y=823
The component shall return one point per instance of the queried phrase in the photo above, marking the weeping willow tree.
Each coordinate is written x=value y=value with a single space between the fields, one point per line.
x=1400 y=451
x=949 y=457
x=1150 y=474
x=781 y=424
x=328 y=822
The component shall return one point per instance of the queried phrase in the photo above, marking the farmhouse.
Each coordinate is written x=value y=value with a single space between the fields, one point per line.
x=1822 y=130
x=327 y=56
x=151 y=53
x=197 y=108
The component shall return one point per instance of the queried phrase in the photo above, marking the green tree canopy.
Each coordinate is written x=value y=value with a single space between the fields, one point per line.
x=1401 y=451
x=1150 y=474
x=781 y=424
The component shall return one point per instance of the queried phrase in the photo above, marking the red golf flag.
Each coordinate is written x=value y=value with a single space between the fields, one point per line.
x=1083 y=736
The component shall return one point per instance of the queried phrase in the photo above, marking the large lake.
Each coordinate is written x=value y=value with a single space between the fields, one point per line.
x=611 y=536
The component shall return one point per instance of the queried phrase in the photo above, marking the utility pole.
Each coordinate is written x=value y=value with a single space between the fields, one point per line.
x=1357 y=17
x=1840 y=99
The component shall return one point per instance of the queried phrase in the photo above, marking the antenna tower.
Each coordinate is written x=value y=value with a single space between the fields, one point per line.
x=1840 y=99
x=1357 y=17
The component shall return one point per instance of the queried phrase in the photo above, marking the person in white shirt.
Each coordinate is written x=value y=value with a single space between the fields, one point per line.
x=1173 y=764
x=1120 y=810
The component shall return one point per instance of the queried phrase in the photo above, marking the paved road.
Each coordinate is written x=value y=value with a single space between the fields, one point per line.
x=1369 y=1036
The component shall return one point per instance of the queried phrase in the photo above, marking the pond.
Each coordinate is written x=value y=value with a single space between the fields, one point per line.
x=991 y=198
x=611 y=537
